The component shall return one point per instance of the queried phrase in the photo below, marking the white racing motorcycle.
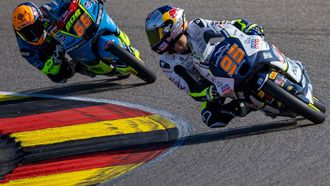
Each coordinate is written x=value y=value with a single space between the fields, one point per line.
x=250 y=69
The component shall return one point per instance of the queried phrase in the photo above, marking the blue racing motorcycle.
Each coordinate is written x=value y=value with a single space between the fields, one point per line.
x=88 y=35
x=250 y=69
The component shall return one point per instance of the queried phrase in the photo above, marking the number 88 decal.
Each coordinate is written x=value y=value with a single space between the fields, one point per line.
x=230 y=62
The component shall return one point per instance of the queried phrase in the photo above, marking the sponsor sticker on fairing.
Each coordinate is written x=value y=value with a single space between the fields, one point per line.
x=226 y=90
x=60 y=38
x=279 y=80
x=255 y=43
x=289 y=88
x=87 y=4
x=295 y=69
x=267 y=55
x=261 y=94
x=260 y=81
x=247 y=40
x=273 y=75
x=278 y=54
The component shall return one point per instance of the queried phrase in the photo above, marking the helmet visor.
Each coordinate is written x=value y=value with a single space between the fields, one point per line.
x=32 y=33
x=153 y=36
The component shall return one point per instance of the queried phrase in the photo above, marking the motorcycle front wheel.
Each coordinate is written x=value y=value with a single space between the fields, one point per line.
x=319 y=104
x=308 y=111
x=137 y=66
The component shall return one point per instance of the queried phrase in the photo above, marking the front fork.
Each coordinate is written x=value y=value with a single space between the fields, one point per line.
x=267 y=103
x=303 y=92
x=109 y=64
x=285 y=83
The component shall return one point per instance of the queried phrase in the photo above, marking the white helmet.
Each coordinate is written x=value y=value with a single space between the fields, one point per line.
x=164 y=26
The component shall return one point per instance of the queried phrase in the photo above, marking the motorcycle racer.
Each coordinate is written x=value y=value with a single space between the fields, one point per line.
x=36 y=32
x=182 y=47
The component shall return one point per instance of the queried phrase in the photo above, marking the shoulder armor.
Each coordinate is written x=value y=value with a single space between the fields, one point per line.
x=163 y=64
x=199 y=22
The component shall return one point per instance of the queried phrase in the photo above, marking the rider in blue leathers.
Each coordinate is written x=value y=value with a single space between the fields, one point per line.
x=81 y=29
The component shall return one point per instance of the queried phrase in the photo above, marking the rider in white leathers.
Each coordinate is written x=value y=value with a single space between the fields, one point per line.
x=184 y=50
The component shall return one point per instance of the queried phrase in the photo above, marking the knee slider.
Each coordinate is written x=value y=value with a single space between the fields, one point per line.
x=212 y=121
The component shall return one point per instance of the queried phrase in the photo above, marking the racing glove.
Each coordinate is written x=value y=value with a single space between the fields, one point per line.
x=256 y=30
x=57 y=68
x=66 y=71
x=247 y=27
x=212 y=94
x=53 y=64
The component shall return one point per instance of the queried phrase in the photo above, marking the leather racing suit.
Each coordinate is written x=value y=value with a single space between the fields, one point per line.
x=197 y=79
x=201 y=33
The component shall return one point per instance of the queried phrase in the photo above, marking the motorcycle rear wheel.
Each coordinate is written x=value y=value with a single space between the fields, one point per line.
x=310 y=112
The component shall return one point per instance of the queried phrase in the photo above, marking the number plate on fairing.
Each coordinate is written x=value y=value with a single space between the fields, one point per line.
x=81 y=24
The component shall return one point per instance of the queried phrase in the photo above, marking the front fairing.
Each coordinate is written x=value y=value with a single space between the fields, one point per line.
x=307 y=88
x=238 y=56
x=236 y=60
x=82 y=26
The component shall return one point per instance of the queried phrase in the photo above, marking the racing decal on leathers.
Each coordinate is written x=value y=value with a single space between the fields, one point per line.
x=225 y=86
x=199 y=23
x=163 y=64
x=26 y=53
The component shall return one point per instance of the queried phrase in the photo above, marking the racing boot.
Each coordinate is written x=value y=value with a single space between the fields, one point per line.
x=216 y=114
x=83 y=70
x=243 y=110
x=212 y=116
x=100 y=68
x=122 y=71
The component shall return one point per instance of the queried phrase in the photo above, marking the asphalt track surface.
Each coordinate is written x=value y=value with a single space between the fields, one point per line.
x=250 y=151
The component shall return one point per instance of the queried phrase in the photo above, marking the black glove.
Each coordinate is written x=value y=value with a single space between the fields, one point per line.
x=249 y=28
x=212 y=94
x=256 y=30
x=67 y=69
